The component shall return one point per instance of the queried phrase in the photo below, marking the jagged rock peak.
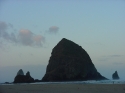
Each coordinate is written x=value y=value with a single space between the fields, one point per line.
x=21 y=78
x=69 y=61
x=28 y=73
x=20 y=72
x=115 y=75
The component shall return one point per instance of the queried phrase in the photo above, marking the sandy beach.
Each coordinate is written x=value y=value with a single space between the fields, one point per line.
x=63 y=88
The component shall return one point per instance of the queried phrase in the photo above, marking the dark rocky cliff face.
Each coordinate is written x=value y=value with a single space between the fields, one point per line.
x=21 y=78
x=115 y=75
x=70 y=62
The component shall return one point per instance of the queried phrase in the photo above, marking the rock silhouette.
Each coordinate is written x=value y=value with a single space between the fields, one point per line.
x=21 y=78
x=70 y=62
x=115 y=75
x=20 y=72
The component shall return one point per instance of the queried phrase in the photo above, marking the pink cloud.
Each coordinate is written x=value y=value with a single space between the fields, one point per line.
x=38 y=39
x=53 y=29
x=26 y=37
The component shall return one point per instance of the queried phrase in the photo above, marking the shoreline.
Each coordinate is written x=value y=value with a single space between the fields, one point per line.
x=73 y=82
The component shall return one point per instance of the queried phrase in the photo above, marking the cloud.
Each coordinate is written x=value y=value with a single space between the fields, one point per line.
x=53 y=29
x=118 y=63
x=26 y=37
x=115 y=55
x=4 y=34
x=10 y=25
x=1 y=43
x=13 y=37
x=109 y=57
x=38 y=39
x=3 y=28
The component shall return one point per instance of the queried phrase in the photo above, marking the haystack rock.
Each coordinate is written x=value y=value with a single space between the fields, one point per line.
x=21 y=78
x=70 y=62
x=115 y=75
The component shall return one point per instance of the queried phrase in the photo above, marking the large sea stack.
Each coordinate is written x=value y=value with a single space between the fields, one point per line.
x=70 y=62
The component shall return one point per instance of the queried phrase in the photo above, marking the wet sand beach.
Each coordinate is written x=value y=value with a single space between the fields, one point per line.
x=63 y=88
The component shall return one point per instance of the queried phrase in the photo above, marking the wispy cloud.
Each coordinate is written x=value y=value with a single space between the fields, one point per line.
x=3 y=28
x=38 y=39
x=28 y=38
x=115 y=55
x=4 y=34
x=53 y=30
x=118 y=63
x=109 y=57
x=10 y=25
x=24 y=36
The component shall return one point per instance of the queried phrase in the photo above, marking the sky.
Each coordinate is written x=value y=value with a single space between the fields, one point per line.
x=29 y=30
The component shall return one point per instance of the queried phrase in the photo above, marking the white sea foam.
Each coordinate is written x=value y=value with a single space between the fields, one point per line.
x=86 y=82
x=77 y=82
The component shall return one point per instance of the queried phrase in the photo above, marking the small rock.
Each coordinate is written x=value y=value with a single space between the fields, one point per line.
x=115 y=75
x=21 y=78
x=20 y=72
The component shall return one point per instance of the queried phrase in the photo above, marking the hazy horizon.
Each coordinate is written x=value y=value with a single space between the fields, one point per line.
x=30 y=29
x=11 y=71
